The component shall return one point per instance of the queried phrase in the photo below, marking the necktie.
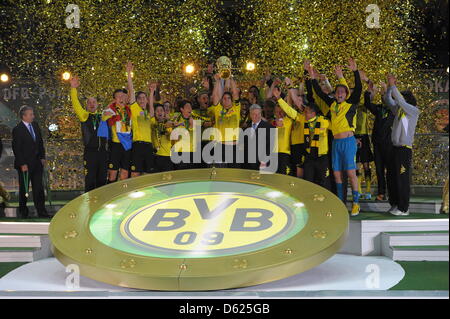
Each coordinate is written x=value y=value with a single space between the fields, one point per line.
x=254 y=126
x=30 y=128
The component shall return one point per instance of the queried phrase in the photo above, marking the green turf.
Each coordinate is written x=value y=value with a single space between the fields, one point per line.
x=7 y=267
x=423 y=275
x=381 y=216
x=420 y=247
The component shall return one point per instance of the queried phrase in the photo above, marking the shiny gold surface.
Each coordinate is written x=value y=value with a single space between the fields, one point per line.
x=295 y=255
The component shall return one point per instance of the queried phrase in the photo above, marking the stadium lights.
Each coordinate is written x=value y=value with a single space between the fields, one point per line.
x=189 y=69
x=66 y=76
x=250 y=66
x=4 y=77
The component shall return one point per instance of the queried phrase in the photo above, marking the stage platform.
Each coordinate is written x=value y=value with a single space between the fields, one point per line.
x=339 y=277
x=408 y=247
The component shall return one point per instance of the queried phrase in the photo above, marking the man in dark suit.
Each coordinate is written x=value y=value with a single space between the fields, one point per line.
x=253 y=136
x=28 y=148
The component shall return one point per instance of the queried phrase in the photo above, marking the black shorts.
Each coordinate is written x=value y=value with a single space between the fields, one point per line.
x=298 y=152
x=163 y=163
x=142 y=158
x=119 y=158
x=364 y=153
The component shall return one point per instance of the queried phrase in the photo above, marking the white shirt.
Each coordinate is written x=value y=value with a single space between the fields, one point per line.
x=257 y=124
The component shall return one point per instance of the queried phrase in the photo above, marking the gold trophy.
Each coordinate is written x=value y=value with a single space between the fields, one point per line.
x=224 y=67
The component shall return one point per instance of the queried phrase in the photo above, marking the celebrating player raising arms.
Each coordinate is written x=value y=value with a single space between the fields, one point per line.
x=343 y=110
x=95 y=148
x=142 y=111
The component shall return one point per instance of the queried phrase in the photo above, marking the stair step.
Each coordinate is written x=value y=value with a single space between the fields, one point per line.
x=20 y=241
x=422 y=248
x=17 y=254
x=24 y=227
x=418 y=238
x=418 y=253
x=397 y=233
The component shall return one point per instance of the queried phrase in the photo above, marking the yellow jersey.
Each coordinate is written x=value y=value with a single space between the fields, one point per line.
x=283 y=140
x=224 y=119
x=81 y=112
x=343 y=117
x=297 y=131
x=362 y=125
x=161 y=138
x=140 y=124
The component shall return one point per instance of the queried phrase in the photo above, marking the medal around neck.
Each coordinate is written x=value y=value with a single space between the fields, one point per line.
x=203 y=229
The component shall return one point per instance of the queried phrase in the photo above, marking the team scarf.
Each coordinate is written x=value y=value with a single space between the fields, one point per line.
x=312 y=135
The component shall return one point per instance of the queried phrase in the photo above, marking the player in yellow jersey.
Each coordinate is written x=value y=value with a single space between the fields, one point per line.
x=315 y=133
x=226 y=114
x=298 y=149
x=283 y=125
x=343 y=110
x=203 y=103
x=325 y=110
x=118 y=117
x=364 y=154
x=142 y=111
x=95 y=148
x=161 y=130
x=187 y=145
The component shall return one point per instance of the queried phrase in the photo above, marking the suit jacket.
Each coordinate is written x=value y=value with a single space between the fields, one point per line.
x=255 y=139
x=26 y=150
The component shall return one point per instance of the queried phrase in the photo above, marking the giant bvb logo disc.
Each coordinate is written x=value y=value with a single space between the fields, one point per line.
x=199 y=229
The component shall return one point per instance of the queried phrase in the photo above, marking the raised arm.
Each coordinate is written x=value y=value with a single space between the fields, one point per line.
x=355 y=97
x=81 y=113
x=151 y=99
x=131 y=94
x=290 y=111
x=368 y=97
x=292 y=92
x=407 y=108
x=269 y=92
x=322 y=95
x=263 y=85
x=387 y=97
x=216 y=90
x=234 y=90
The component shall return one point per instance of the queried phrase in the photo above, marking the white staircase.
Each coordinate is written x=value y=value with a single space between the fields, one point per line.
x=416 y=246
x=24 y=242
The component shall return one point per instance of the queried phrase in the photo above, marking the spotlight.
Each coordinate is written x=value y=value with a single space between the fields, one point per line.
x=250 y=66
x=4 y=77
x=132 y=74
x=53 y=127
x=66 y=76
x=189 y=69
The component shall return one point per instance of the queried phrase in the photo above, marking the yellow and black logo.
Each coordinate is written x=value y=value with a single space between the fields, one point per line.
x=207 y=223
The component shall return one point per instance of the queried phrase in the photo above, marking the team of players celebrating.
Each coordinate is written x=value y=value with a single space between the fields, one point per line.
x=321 y=133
